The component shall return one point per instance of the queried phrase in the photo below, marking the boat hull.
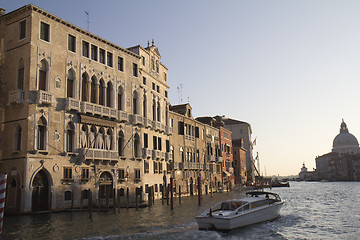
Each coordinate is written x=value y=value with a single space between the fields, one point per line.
x=267 y=213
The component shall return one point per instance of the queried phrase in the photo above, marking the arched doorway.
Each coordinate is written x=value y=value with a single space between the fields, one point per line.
x=106 y=188
x=40 y=192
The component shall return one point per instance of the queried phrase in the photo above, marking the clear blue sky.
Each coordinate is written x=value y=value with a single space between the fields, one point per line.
x=289 y=68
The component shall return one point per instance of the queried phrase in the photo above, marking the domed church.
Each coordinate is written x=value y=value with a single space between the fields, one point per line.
x=345 y=142
x=343 y=162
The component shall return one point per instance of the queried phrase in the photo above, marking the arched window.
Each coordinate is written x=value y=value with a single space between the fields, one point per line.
x=135 y=103
x=121 y=142
x=41 y=134
x=182 y=154
x=20 y=77
x=17 y=138
x=154 y=110
x=84 y=87
x=109 y=95
x=93 y=89
x=167 y=115
x=102 y=93
x=144 y=106
x=158 y=112
x=121 y=98
x=137 y=146
x=70 y=137
x=70 y=84
x=43 y=72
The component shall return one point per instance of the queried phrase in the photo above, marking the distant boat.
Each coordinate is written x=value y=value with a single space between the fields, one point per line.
x=256 y=207
x=279 y=184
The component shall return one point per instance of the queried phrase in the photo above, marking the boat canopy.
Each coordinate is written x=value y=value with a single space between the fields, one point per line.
x=264 y=194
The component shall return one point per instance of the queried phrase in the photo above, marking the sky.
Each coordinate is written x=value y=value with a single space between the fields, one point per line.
x=289 y=68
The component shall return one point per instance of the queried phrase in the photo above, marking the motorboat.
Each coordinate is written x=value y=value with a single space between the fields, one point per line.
x=256 y=207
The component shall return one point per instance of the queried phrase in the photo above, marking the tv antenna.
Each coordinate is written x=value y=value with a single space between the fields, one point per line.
x=180 y=93
x=87 y=20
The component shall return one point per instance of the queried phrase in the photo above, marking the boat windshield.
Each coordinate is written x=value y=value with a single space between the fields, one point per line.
x=231 y=205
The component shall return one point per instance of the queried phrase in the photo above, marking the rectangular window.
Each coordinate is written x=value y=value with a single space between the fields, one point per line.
x=45 y=31
x=167 y=146
x=160 y=167
x=94 y=52
x=67 y=173
x=181 y=128
x=146 y=167
x=159 y=144
x=137 y=174
x=165 y=77
x=109 y=59
x=120 y=64
x=121 y=174
x=102 y=56
x=71 y=43
x=22 y=29
x=155 y=164
x=158 y=88
x=143 y=60
x=166 y=94
x=153 y=86
x=156 y=188
x=20 y=82
x=85 y=173
x=135 y=70
x=144 y=80
x=145 y=140
x=154 y=143
x=197 y=132
x=85 y=49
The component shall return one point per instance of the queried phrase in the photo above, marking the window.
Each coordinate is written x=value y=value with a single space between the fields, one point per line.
x=121 y=98
x=102 y=56
x=67 y=195
x=137 y=146
x=143 y=60
x=85 y=173
x=146 y=140
x=181 y=128
x=121 y=174
x=120 y=64
x=41 y=134
x=153 y=86
x=84 y=87
x=156 y=188
x=94 y=52
x=70 y=134
x=22 y=29
x=135 y=70
x=72 y=43
x=109 y=95
x=67 y=173
x=137 y=174
x=146 y=167
x=166 y=94
x=121 y=142
x=158 y=88
x=20 y=77
x=43 y=71
x=17 y=139
x=70 y=84
x=155 y=165
x=45 y=31
x=144 y=80
x=160 y=167
x=85 y=49
x=109 y=59
x=157 y=66
x=167 y=145
x=159 y=144
x=154 y=143
x=165 y=77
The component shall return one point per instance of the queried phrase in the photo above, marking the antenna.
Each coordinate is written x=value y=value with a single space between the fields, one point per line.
x=87 y=20
x=180 y=93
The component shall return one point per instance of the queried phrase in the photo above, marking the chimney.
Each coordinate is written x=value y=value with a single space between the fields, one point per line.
x=2 y=11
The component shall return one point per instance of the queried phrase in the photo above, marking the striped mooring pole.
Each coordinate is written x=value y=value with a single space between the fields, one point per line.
x=2 y=198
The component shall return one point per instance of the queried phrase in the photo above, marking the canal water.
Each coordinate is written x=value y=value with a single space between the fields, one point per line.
x=313 y=210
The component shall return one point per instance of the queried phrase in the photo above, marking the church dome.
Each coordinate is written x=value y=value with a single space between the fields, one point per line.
x=345 y=142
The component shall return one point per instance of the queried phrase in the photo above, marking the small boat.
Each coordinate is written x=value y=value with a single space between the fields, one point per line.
x=256 y=207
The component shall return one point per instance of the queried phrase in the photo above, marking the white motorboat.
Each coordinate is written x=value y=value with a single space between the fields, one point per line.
x=256 y=207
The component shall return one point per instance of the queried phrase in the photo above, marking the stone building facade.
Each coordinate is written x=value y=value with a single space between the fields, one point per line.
x=195 y=151
x=78 y=114
x=239 y=158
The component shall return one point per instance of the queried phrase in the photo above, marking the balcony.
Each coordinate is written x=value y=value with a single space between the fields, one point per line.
x=219 y=159
x=101 y=154
x=44 y=97
x=168 y=156
x=148 y=123
x=147 y=153
x=16 y=96
x=72 y=104
x=156 y=125
x=156 y=154
x=162 y=155
x=137 y=119
x=122 y=116
x=206 y=167
x=189 y=137
x=162 y=127
x=168 y=130
x=211 y=158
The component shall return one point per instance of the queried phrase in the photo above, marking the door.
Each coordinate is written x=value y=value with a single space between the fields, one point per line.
x=40 y=192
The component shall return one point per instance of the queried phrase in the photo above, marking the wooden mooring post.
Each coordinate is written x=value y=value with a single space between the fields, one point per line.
x=72 y=204
x=127 y=198
x=114 y=200
x=179 y=194
x=171 y=194
x=199 y=190
x=118 y=200
x=90 y=205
